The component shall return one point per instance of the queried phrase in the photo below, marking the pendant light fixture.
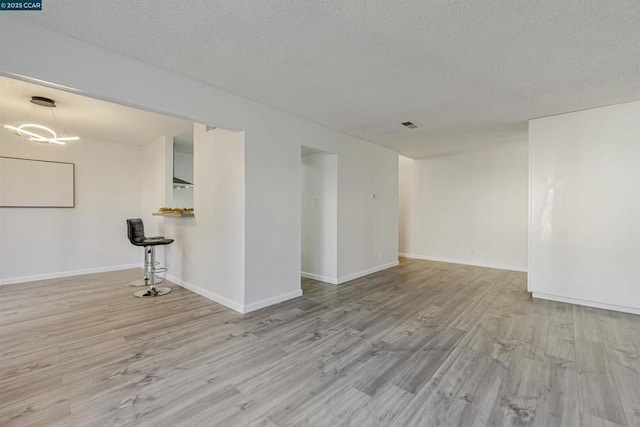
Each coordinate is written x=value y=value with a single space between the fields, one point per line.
x=39 y=133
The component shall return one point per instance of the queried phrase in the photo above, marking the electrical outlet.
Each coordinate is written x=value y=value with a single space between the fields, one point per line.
x=381 y=255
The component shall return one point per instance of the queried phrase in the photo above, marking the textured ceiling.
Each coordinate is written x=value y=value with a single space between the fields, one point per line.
x=78 y=115
x=469 y=73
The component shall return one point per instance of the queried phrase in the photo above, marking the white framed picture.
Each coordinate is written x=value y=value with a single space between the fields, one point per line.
x=29 y=183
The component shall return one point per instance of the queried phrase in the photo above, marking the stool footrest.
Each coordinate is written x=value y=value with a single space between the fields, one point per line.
x=142 y=282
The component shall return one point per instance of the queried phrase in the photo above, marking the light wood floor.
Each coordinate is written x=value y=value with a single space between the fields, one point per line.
x=425 y=344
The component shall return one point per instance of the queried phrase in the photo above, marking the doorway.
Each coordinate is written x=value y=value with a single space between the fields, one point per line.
x=319 y=216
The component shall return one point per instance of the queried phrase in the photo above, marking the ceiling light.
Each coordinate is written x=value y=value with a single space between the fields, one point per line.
x=38 y=133
x=42 y=101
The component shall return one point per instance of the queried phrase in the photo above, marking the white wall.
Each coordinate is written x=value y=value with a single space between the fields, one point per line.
x=39 y=243
x=156 y=185
x=405 y=199
x=366 y=227
x=468 y=208
x=207 y=255
x=319 y=185
x=585 y=207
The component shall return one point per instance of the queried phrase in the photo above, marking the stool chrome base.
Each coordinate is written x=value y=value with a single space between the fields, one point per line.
x=150 y=279
x=152 y=291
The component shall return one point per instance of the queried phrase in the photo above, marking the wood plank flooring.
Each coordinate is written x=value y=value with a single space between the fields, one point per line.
x=422 y=344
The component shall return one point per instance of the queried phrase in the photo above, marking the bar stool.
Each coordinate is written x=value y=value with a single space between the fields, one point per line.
x=135 y=232
x=145 y=276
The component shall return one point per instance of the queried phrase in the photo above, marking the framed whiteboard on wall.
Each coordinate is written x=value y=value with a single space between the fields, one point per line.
x=28 y=183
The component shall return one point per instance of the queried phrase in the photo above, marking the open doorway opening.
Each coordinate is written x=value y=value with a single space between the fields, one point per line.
x=319 y=217
x=184 y=180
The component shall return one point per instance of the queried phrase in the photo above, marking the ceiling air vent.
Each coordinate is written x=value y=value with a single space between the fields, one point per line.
x=410 y=125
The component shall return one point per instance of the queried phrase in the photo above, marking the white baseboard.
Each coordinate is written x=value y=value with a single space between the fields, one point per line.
x=207 y=294
x=240 y=308
x=362 y=273
x=464 y=262
x=33 y=278
x=270 y=301
x=594 y=304
x=325 y=279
